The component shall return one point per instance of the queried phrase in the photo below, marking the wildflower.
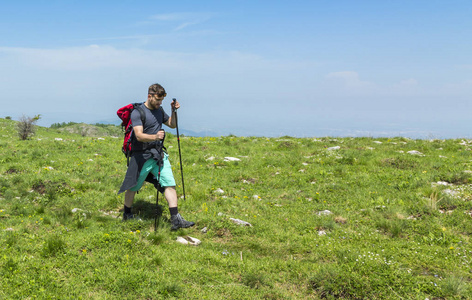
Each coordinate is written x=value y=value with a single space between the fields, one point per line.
x=84 y=251
x=444 y=229
x=452 y=248
x=129 y=241
x=137 y=231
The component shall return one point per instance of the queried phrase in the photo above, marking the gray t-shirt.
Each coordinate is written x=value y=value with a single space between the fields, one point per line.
x=153 y=123
x=154 y=119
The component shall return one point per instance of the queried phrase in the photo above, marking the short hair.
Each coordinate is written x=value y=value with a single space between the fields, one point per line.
x=156 y=89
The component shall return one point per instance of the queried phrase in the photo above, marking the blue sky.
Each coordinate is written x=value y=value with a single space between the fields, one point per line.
x=254 y=68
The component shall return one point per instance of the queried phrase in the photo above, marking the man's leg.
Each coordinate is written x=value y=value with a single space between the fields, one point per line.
x=175 y=218
x=129 y=198
x=171 y=196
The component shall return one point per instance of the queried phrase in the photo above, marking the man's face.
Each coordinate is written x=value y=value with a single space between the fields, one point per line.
x=156 y=100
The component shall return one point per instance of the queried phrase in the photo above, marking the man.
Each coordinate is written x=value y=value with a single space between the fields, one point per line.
x=146 y=158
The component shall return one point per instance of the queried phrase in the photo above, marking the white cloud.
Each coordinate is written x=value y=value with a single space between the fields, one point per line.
x=185 y=18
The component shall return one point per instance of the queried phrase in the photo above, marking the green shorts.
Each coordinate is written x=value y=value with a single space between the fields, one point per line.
x=166 y=179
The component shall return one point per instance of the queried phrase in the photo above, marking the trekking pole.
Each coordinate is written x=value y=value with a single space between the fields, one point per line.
x=178 y=141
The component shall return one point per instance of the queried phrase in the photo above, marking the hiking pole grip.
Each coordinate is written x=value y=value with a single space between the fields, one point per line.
x=178 y=141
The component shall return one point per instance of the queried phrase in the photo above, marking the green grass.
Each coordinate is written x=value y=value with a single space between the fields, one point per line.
x=392 y=232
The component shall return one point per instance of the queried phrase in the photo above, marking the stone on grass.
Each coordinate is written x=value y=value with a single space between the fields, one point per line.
x=240 y=222
x=188 y=240
x=440 y=183
x=333 y=148
x=324 y=213
x=229 y=158
x=415 y=152
x=219 y=191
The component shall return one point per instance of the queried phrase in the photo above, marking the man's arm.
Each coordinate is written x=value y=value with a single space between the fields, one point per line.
x=144 y=137
x=172 y=121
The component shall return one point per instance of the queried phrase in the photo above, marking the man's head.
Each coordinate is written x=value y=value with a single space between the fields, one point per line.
x=157 y=89
x=156 y=94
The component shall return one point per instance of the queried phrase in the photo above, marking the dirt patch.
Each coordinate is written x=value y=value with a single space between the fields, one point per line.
x=12 y=171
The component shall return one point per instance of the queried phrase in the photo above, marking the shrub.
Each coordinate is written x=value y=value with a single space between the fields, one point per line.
x=26 y=126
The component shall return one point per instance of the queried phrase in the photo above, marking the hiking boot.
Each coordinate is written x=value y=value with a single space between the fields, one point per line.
x=179 y=222
x=130 y=216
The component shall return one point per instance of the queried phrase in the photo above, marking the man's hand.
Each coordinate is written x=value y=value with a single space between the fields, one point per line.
x=175 y=105
x=160 y=135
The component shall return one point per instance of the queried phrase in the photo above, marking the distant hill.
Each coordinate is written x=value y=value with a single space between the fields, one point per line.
x=96 y=130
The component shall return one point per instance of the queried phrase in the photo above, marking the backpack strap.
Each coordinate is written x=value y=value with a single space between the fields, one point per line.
x=141 y=112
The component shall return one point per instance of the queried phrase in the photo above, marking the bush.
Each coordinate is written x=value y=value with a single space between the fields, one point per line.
x=26 y=126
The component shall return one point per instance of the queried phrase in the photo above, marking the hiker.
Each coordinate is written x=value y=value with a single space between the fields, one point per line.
x=146 y=155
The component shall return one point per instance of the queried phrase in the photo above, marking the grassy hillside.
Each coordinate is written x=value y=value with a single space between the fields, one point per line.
x=354 y=218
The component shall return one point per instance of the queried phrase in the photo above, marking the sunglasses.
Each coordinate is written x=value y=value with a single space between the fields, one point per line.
x=160 y=94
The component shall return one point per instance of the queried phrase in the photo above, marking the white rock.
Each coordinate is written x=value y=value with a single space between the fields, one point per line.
x=415 y=152
x=378 y=142
x=58 y=139
x=440 y=183
x=240 y=222
x=324 y=213
x=219 y=191
x=204 y=230
x=210 y=158
x=333 y=148
x=229 y=158
x=188 y=240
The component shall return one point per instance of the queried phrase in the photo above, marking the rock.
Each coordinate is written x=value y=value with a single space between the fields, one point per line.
x=378 y=142
x=228 y=158
x=219 y=191
x=324 y=213
x=440 y=183
x=204 y=230
x=240 y=222
x=188 y=240
x=333 y=148
x=415 y=152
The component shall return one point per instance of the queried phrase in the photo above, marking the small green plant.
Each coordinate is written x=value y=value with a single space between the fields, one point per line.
x=53 y=246
x=454 y=286
x=254 y=281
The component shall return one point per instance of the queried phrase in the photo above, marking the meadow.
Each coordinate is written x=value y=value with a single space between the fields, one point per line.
x=350 y=218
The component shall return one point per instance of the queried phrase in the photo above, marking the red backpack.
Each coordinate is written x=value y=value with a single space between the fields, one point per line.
x=124 y=114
